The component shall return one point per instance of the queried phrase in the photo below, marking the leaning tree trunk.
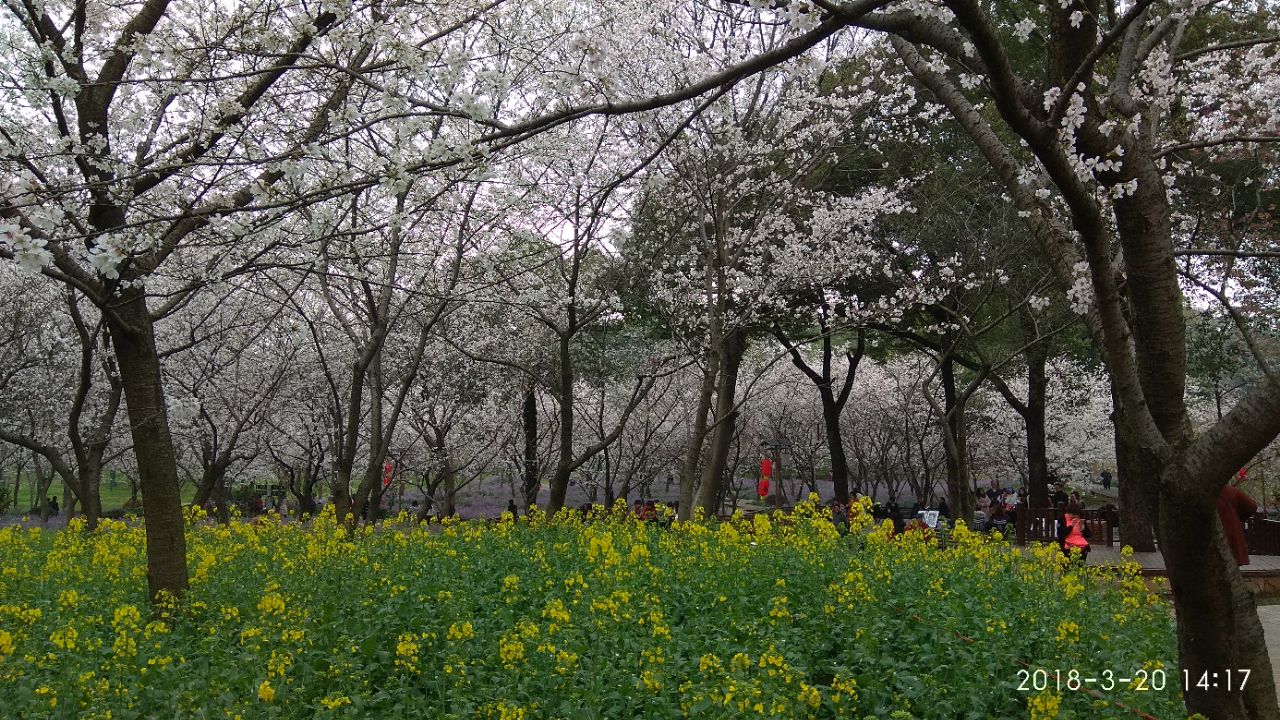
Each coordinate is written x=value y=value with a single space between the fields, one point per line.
x=697 y=438
x=133 y=335
x=212 y=476
x=731 y=352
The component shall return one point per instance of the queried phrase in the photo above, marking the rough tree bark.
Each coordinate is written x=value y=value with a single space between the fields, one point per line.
x=1136 y=488
x=732 y=347
x=133 y=335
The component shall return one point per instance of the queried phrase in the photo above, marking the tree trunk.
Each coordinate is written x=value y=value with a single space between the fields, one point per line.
x=564 y=405
x=1218 y=626
x=69 y=500
x=959 y=489
x=91 y=496
x=1138 y=485
x=731 y=352
x=209 y=479
x=42 y=483
x=529 y=422
x=340 y=489
x=222 y=502
x=697 y=438
x=448 y=508
x=835 y=444
x=134 y=338
x=1034 y=420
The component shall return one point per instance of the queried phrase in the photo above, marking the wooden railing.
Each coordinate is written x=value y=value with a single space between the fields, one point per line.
x=1040 y=525
x=1262 y=535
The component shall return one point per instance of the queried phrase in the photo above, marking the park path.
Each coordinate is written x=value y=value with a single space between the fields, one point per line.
x=1270 y=617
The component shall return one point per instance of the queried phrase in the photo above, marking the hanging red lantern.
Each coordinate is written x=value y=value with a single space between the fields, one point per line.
x=766 y=468
x=764 y=486
x=386 y=474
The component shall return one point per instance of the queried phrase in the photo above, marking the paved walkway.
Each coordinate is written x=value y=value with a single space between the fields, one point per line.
x=1153 y=562
x=1270 y=617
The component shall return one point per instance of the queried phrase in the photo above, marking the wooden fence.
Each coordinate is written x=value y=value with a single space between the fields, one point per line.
x=1041 y=525
x=1263 y=535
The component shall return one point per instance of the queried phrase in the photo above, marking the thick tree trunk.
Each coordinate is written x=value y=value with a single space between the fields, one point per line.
x=222 y=502
x=529 y=422
x=1138 y=486
x=90 y=494
x=697 y=438
x=731 y=351
x=340 y=491
x=135 y=344
x=1218 y=627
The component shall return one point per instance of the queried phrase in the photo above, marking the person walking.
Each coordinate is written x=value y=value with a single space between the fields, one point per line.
x=1234 y=509
x=1073 y=534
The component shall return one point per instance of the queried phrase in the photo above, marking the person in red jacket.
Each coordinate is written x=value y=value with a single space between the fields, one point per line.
x=1073 y=535
x=1235 y=507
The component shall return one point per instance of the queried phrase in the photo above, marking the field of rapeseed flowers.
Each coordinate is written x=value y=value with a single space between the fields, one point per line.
x=539 y=618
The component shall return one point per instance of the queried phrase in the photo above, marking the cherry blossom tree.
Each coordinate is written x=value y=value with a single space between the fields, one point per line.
x=1124 y=89
x=61 y=389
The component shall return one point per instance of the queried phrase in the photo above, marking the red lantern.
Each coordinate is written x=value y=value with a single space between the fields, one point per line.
x=764 y=486
x=766 y=468
x=386 y=474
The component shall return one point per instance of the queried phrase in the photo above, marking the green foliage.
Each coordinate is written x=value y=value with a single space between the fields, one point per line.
x=613 y=618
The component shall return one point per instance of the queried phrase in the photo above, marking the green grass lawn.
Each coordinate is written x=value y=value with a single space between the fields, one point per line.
x=113 y=498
